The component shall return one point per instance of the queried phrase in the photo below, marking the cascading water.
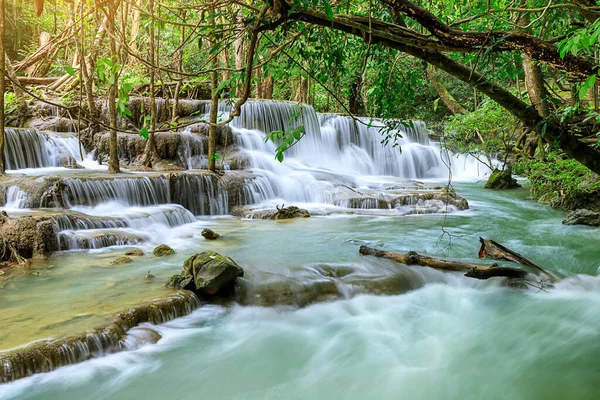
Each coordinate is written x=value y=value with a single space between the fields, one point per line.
x=337 y=153
x=143 y=191
x=30 y=148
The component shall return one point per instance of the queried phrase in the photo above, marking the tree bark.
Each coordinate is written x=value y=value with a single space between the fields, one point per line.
x=150 y=152
x=471 y=270
x=302 y=91
x=495 y=250
x=113 y=156
x=449 y=101
x=214 y=101
x=2 y=69
x=356 y=106
x=238 y=48
x=135 y=27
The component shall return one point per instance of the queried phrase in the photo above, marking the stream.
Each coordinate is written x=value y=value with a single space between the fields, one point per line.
x=448 y=337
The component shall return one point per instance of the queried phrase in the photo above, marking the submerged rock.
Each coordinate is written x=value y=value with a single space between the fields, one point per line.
x=121 y=261
x=163 y=250
x=48 y=355
x=209 y=234
x=134 y=252
x=501 y=179
x=583 y=217
x=207 y=273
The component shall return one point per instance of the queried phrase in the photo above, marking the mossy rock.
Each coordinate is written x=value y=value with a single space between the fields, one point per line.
x=121 y=261
x=209 y=234
x=501 y=179
x=163 y=250
x=207 y=273
x=290 y=212
x=135 y=252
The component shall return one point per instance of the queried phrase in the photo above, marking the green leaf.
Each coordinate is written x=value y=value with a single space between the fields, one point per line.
x=328 y=10
x=70 y=70
x=589 y=83
x=144 y=133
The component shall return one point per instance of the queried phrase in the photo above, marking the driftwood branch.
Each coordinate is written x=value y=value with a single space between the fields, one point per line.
x=495 y=250
x=471 y=270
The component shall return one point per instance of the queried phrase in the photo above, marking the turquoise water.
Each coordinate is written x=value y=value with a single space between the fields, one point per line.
x=450 y=338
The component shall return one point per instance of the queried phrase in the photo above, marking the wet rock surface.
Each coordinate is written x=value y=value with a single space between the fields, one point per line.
x=501 y=179
x=583 y=217
x=207 y=274
x=209 y=234
x=162 y=251
x=122 y=261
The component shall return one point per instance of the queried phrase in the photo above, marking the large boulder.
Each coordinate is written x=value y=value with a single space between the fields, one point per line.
x=501 y=179
x=163 y=250
x=583 y=217
x=208 y=274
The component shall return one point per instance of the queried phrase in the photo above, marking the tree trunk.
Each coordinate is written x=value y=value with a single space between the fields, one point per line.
x=356 y=105
x=214 y=103
x=302 y=91
x=267 y=88
x=238 y=48
x=113 y=156
x=135 y=27
x=150 y=152
x=180 y=69
x=449 y=101
x=536 y=91
x=22 y=109
x=471 y=270
x=2 y=68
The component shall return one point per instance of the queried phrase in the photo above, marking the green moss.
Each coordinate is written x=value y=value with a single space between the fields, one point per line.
x=163 y=250
x=557 y=178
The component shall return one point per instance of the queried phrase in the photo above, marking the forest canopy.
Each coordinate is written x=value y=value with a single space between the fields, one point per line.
x=528 y=68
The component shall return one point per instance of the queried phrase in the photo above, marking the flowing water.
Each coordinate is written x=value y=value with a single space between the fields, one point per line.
x=449 y=337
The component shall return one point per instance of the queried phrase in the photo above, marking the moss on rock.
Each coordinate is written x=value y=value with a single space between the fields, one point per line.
x=163 y=250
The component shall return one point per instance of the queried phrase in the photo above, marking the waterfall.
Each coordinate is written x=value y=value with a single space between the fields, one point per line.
x=142 y=191
x=30 y=148
x=336 y=151
x=15 y=198
x=25 y=148
x=201 y=194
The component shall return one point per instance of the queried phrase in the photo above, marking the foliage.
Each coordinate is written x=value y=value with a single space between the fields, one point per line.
x=288 y=138
x=556 y=176
x=11 y=102
x=490 y=123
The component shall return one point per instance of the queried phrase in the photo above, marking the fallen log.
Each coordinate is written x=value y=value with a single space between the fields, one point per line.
x=31 y=80
x=495 y=250
x=471 y=270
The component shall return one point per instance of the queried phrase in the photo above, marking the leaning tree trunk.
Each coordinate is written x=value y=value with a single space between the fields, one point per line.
x=449 y=101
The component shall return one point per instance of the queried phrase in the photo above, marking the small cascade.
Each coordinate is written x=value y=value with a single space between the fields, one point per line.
x=142 y=191
x=193 y=150
x=25 y=148
x=48 y=355
x=15 y=198
x=201 y=194
x=30 y=148
x=98 y=239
